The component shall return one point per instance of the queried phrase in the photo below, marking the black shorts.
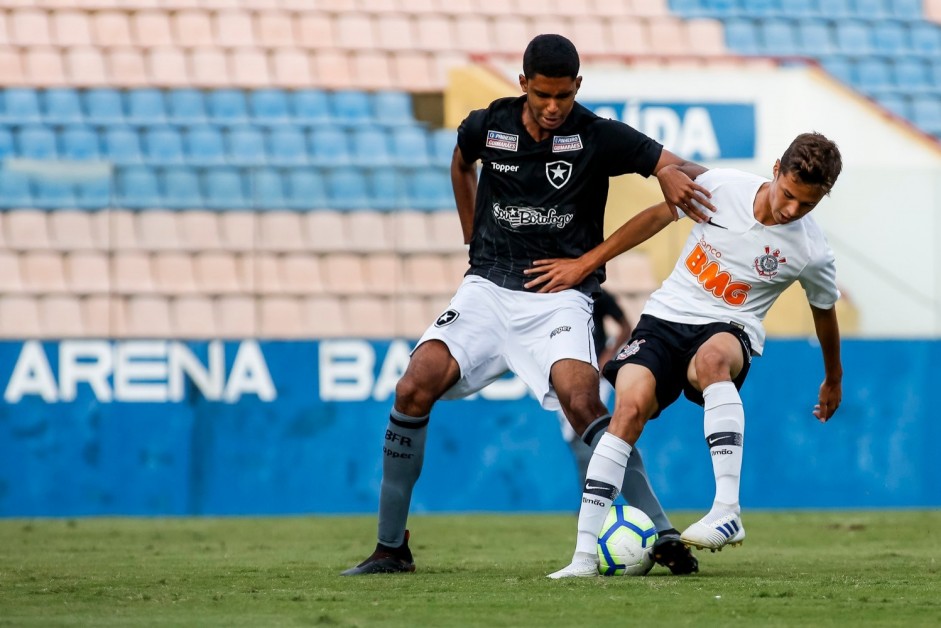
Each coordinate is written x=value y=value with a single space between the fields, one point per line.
x=666 y=349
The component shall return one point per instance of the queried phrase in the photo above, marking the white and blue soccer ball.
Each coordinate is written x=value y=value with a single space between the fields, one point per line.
x=625 y=545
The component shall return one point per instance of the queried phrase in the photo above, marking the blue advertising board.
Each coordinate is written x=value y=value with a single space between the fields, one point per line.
x=97 y=427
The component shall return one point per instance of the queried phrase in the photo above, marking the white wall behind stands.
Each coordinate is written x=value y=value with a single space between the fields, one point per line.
x=883 y=218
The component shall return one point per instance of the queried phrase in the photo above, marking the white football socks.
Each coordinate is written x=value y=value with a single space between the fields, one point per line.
x=605 y=475
x=724 y=428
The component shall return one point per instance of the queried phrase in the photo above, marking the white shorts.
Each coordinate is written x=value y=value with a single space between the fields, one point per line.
x=490 y=330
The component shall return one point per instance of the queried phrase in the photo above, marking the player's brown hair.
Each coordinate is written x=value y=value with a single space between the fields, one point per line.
x=814 y=160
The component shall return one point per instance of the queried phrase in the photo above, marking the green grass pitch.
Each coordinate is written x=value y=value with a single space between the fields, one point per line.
x=795 y=569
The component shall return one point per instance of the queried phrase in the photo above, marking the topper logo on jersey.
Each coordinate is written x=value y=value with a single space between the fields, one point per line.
x=767 y=264
x=516 y=218
x=503 y=141
x=558 y=173
x=504 y=167
x=713 y=279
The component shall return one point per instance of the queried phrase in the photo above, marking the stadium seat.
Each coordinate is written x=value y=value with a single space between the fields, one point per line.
x=367 y=231
x=71 y=28
x=209 y=68
x=121 y=145
x=7 y=147
x=217 y=273
x=291 y=69
x=168 y=68
x=275 y=29
x=837 y=9
x=926 y=113
x=181 y=188
x=51 y=193
x=301 y=274
x=906 y=9
x=146 y=107
x=227 y=106
x=324 y=316
x=61 y=105
x=445 y=231
x=79 y=143
x=741 y=36
x=148 y=317
x=225 y=189
x=157 y=230
x=721 y=8
x=761 y=8
x=281 y=232
x=347 y=189
x=132 y=273
x=162 y=146
x=430 y=189
x=72 y=230
x=350 y=107
x=779 y=37
x=174 y=274
x=199 y=229
x=443 y=142
x=841 y=69
x=137 y=188
x=237 y=317
x=912 y=75
x=410 y=146
x=329 y=146
x=193 y=317
x=269 y=106
x=870 y=9
x=20 y=106
x=287 y=146
x=36 y=142
x=88 y=272
x=267 y=189
x=310 y=106
x=14 y=190
x=93 y=193
x=306 y=189
x=60 y=316
x=192 y=28
x=409 y=231
x=854 y=37
x=103 y=107
x=329 y=230
x=370 y=146
x=890 y=38
x=246 y=146
x=19 y=317
x=801 y=8
x=387 y=189
x=926 y=39
x=873 y=75
x=344 y=274
x=86 y=67
x=186 y=106
x=126 y=68
x=249 y=68
x=392 y=108
x=815 y=37
x=204 y=146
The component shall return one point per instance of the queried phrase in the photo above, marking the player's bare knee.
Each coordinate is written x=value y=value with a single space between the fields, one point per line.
x=412 y=398
x=711 y=365
x=583 y=408
x=628 y=420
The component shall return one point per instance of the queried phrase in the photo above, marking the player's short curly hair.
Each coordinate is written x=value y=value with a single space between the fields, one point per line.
x=813 y=159
x=553 y=56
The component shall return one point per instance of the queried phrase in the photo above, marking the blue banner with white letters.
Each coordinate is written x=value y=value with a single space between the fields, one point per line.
x=98 y=427
x=696 y=131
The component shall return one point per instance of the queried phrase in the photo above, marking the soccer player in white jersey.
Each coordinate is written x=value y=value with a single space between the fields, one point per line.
x=699 y=331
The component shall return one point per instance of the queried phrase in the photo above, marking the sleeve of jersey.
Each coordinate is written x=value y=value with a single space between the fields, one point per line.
x=819 y=280
x=625 y=150
x=470 y=135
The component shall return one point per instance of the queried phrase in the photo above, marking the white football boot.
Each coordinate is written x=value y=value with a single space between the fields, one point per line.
x=578 y=569
x=714 y=534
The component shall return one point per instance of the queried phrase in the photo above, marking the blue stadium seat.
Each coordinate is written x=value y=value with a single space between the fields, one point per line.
x=742 y=36
x=443 y=142
x=145 y=107
x=204 y=146
x=387 y=189
x=688 y=8
x=874 y=74
x=287 y=146
x=410 y=146
x=837 y=8
x=103 y=106
x=392 y=108
x=186 y=107
x=121 y=145
x=779 y=37
x=906 y=9
x=93 y=193
x=890 y=38
x=53 y=194
x=79 y=143
x=926 y=113
x=815 y=37
x=870 y=9
x=7 y=148
x=310 y=107
x=898 y=105
x=246 y=146
x=350 y=107
x=267 y=189
x=61 y=105
x=853 y=37
x=306 y=189
x=227 y=106
x=20 y=106
x=761 y=8
x=926 y=39
x=347 y=189
x=269 y=107
x=721 y=8
x=329 y=146
x=137 y=188
x=935 y=74
x=225 y=189
x=14 y=189
x=370 y=146
x=801 y=8
x=912 y=75
x=841 y=68
x=162 y=146
x=36 y=142
x=181 y=188
x=430 y=189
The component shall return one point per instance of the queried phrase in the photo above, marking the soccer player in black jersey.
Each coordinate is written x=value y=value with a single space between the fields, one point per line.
x=542 y=191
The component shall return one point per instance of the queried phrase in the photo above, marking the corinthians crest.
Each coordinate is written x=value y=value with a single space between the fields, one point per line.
x=767 y=264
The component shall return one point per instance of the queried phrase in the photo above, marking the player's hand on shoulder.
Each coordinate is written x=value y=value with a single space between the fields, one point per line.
x=555 y=275
x=684 y=194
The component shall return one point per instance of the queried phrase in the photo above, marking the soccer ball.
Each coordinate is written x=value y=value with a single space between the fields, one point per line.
x=625 y=545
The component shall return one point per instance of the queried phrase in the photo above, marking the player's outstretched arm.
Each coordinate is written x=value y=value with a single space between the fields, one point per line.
x=831 y=390
x=677 y=181
x=554 y=275
x=464 y=182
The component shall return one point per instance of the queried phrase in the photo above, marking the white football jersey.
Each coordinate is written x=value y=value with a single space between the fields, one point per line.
x=733 y=268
